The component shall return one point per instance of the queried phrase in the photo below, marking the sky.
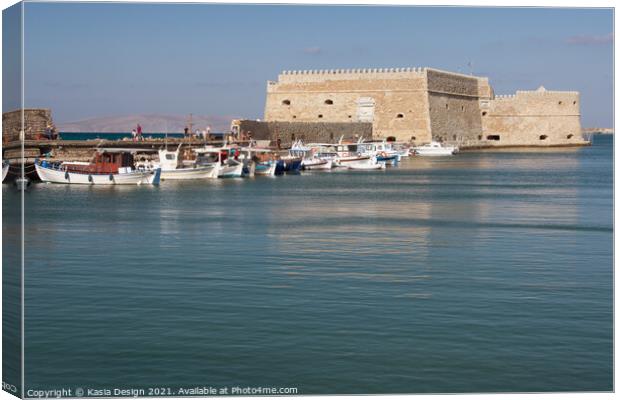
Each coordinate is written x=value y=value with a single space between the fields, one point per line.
x=91 y=60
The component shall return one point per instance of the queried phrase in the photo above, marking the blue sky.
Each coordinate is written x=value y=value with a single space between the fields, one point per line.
x=87 y=60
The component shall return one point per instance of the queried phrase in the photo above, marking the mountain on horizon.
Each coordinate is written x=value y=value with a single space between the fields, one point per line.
x=151 y=123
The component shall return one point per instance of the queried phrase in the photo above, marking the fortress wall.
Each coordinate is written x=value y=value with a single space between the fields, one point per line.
x=419 y=103
x=401 y=104
x=485 y=90
x=317 y=132
x=453 y=106
x=538 y=118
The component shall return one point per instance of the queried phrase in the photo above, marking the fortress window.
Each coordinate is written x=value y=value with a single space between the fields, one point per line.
x=294 y=116
x=462 y=108
x=542 y=137
x=292 y=136
x=350 y=116
x=493 y=137
x=574 y=102
x=479 y=137
x=559 y=103
x=331 y=135
x=484 y=113
x=399 y=116
x=320 y=115
x=286 y=102
x=453 y=137
x=329 y=101
x=413 y=138
x=569 y=136
x=446 y=106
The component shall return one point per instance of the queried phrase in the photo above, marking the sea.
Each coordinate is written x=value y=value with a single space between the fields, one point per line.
x=119 y=135
x=486 y=272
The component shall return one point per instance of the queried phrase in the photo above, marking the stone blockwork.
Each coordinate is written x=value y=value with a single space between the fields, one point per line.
x=35 y=122
x=393 y=100
x=420 y=104
x=318 y=132
x=453 y=106
x=538 y=117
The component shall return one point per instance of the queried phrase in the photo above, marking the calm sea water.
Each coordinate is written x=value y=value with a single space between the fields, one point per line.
x=484 y=272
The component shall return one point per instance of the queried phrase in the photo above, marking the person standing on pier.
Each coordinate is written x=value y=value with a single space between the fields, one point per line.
x=133 y=135
x=139 y=132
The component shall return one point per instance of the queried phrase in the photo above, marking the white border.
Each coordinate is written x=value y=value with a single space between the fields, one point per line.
x=478 y=3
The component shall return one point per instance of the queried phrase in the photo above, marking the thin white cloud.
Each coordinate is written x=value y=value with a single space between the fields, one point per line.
x=313 y=50
x=587 y=40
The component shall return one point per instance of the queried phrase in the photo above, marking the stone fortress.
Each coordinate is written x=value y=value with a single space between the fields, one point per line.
x=424 y=104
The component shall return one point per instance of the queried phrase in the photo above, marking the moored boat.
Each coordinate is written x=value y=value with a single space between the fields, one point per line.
x=435 y=149
x=366 y=164
x=108 y=167
x=173 y=169
x=5 y=169
x=316 y=163
x=265 y=168
x=223 y=158
x=288 y=164
x=260 y=161
x=310 y=159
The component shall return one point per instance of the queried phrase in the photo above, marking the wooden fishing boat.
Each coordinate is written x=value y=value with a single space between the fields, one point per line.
x=108 y=167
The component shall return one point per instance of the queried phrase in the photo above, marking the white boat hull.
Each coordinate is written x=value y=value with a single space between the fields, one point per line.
x=369 y=164
x=346 y=161
x=435 y=149
x=128 y=178
x=230 y=171
x=205 y=172
x=270 y=171
x=318 y=165
x=5 y=171
x=434 y=152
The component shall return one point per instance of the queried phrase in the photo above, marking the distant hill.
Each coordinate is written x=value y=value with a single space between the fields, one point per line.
x=154 y=123
x=602 y=131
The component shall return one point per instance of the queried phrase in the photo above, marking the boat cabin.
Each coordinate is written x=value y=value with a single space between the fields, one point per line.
x=104 y=162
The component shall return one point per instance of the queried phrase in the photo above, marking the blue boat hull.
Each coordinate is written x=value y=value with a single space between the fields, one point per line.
x=290 y=166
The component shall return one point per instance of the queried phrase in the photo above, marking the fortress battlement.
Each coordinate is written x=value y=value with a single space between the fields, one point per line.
x=318 y=75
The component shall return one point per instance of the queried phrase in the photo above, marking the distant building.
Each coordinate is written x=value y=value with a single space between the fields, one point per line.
x=420 y=104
